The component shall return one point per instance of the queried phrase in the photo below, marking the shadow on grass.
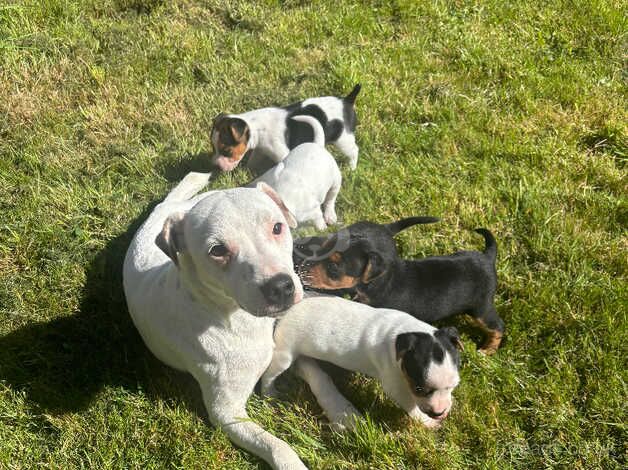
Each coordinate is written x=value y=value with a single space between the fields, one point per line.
x=62 y=364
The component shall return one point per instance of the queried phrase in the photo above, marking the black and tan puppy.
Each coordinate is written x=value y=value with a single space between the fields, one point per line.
x=362 y=260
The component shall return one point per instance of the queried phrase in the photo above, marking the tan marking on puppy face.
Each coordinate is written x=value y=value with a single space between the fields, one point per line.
x=316 y=276
x=230 y=137
x=493 y=338
x=335 y=257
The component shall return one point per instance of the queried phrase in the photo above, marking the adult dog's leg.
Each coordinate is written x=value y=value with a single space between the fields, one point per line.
x=189 y=186
x=340 y=412
x=228 y=412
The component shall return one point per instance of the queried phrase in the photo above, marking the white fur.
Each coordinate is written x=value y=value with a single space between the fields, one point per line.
x=267 y=127
x=190 y=314
x=360 y=338
x=307 y=179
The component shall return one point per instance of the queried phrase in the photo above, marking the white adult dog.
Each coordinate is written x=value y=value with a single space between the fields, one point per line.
x=203 y=277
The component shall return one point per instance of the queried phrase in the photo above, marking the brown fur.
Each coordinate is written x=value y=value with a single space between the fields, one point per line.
x=317 y=276
x=493 y=338
x=230 y=141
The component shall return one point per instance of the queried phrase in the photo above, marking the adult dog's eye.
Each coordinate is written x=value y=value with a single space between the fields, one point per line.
x=218 y=251
x=277 y=228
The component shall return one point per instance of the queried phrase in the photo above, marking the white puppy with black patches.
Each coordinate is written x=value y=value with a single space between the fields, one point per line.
x=308 y=181
x=203 y=278
x=272 y=132
x=416 y=363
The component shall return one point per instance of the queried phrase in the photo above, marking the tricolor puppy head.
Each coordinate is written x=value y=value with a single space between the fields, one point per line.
x=358 y=254
x=230 y=137
x=237 y=244
x=430 y=364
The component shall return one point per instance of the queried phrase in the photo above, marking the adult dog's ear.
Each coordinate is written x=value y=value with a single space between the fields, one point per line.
x=396 y=227
x=375 y=267
x=270 y=192
x=404 y=343
x=170 y=240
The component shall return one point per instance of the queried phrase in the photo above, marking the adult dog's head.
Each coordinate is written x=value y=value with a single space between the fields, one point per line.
x=356 y=255
x=236 y=244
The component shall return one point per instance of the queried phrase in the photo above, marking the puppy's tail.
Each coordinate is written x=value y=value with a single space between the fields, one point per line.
x=402 y=224
x=490 y=248
x=189 y=186
x=350 y=98
x=317 y=128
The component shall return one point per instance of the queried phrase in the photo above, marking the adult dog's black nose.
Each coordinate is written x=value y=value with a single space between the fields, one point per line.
x=279 y=290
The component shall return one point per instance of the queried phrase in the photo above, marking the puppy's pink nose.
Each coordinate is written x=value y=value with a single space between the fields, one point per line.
x=438 y=415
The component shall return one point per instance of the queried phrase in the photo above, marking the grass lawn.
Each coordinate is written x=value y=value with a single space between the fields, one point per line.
x=501 y=114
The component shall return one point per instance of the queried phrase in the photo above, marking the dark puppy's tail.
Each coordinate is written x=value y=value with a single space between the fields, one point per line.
x=402 y=224
x=350 y=98
x=490 y=248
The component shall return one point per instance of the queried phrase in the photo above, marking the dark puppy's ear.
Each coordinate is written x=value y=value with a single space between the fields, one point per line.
x=270 y=192
x=218 y=118
x=396 y=227
x=239 y=129
x=375 y=267
x=450 y=333
x=404 y=343
x=170 y=240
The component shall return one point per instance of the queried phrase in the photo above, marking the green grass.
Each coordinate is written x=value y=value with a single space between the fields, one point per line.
x=507 y=115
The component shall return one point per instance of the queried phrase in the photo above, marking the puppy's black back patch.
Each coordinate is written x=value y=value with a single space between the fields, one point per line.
x=298 y=132
x=332 y=129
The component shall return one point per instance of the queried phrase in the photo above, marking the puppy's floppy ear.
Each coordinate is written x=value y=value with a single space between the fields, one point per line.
x=375 y=267
x=270 y=192
x=396 y=227
x=239 y=129
x=218 y=118
x=404 y=343
x=450 y=333
x=170 y=240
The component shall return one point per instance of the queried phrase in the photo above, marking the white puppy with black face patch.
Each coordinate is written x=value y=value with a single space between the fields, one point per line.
x=272 y=132
x=203 y=278
x=307 y=179
x=416 y=363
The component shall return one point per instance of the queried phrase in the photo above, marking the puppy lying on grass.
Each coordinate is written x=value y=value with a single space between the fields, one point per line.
x=362 y=260
x=416 y=363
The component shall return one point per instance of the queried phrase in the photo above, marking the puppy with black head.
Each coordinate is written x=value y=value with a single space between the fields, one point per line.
x=362 y=260
x=272 y=132
x=416 y=363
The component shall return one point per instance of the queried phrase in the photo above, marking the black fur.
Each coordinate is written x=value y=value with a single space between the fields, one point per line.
x=348 y=109
x=431 y=289
x=418 y=350
x=297 y=133
x=300 y=132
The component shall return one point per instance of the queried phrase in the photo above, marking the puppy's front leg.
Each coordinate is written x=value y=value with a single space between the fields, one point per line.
x=340 y=412
x=226 y=409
